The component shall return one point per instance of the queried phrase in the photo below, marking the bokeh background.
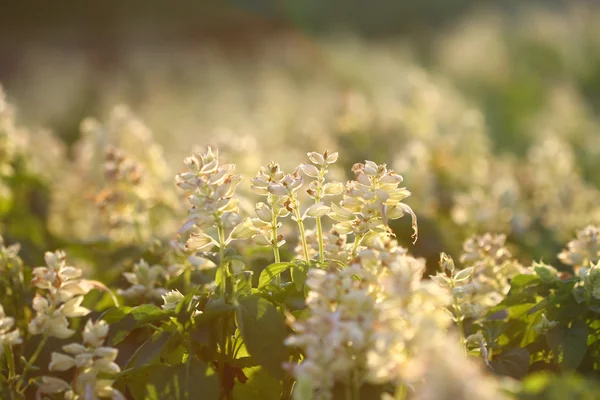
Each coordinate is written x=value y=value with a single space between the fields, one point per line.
x=489 y=109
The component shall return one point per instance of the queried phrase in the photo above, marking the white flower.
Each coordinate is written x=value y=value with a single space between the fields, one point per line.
x=171 y=299
x=95 y=333
x=8 y=336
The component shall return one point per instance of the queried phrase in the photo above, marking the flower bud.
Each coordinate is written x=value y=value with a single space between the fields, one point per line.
x=317 y=210
x=264 y=213
x=316 y=158
x=310 y=170
x=333 y=188
x=245 y=230
x=277 y=189
x=61 y=362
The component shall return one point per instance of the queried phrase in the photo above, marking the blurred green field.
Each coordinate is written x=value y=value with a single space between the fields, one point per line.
x=490 y=117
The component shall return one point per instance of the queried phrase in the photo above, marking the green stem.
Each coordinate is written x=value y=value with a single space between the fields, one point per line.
x=222 y=353
x=222 y=264
x=349 y=393
x=301 y=226
x=31 y=361
x=320 y=238
x=401 y=392
x=274 y=233
x=318 y=198
x=357 y=241
x=461 y=327
x=10 y=361
x=356 y=383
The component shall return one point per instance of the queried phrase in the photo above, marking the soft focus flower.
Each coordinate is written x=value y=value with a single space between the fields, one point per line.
x=584 y=250
x=145 y=282
x=90 y=359
x=64 y=291
x=171 y=299
x=8 y=335
x=371 y=200
x=545 y=325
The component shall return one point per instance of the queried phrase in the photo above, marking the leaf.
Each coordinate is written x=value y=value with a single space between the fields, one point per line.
x=299 y=273
x=213 y=309
x=260 y=386
x=574 y=345
x=523 y=280
x=150 y=349
x=271 y=271
x=263 y=330
x=174 y=382
x=512 y=362
x=134 y=318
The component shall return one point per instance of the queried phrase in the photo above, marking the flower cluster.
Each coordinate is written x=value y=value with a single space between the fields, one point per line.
x=145 y=282
x=212 y=187
x=91 y=360
x=584 y=250
x=493 y=267
x=8 y=335
x=591 y=280
x=337 y=335
x=370 y=201
x=63 y=291
x=268 y=213
x=411 y=315
x=368 y=321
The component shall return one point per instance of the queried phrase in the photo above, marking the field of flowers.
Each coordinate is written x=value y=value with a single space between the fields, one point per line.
x=334 y=219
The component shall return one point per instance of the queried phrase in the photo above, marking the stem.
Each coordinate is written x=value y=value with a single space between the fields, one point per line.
x=357 y=241
x=318 y=197
x=274 y=233
x=222 y=353
x=320 y=239
x=356 y=383
x=461 y=328
x=401 y=392
x=301 y=226
x=31 y=361
x=222 y=265
x=10 y=361
x=349 y=393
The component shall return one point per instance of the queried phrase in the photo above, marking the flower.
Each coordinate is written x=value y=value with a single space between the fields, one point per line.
x=90 y=359
x=145 y=282
x=583 y=250
x=8 y=335
x=64 y=291
x=171 y=299
x=212 y=187
x=370 y=200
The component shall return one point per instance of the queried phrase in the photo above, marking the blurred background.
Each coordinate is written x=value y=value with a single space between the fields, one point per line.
x=489 y=109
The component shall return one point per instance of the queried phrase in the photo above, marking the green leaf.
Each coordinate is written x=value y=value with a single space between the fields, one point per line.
x=174 y=382
x=213 y=309
x=271 y=271
x=299 y=274
x=134 y=318
x=523 y=280
x=263 y=330
x=574 y=345
x=260 y=386
x=151 y=349
x=512 y=362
